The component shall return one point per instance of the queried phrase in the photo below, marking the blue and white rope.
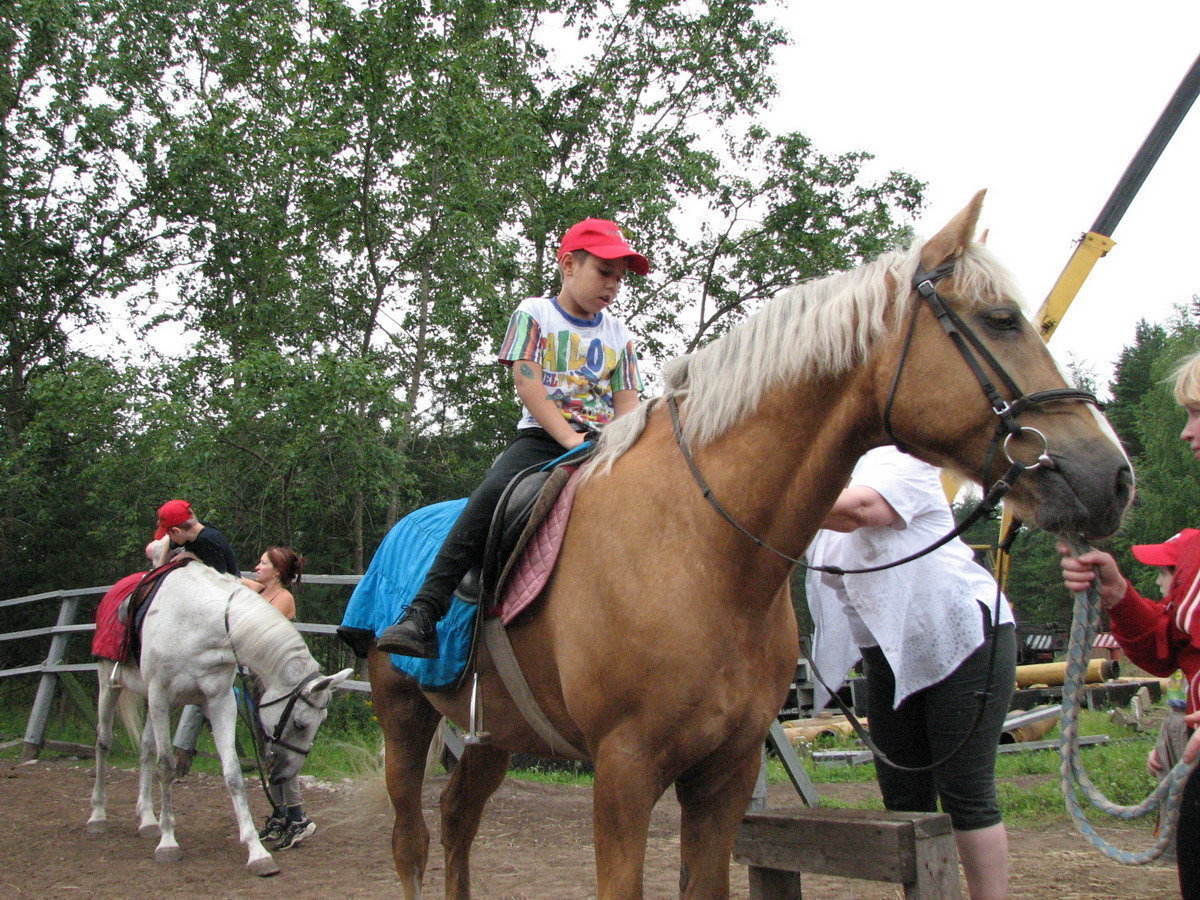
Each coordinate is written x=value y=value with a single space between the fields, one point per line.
x=1074 y=777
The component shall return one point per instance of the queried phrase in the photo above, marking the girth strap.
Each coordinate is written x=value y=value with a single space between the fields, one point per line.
x=500 y=649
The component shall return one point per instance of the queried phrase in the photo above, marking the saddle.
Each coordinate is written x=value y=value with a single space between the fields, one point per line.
x=523 y=506
x=133 y=609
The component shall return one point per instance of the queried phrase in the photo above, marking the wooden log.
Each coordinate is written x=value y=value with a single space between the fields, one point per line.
x=1055 y=673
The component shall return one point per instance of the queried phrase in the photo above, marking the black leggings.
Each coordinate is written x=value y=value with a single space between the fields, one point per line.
x=932 y=722
x=1187 y=839
x=463 y=547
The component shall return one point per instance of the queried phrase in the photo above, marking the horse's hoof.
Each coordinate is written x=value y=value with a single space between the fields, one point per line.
x=97 y=827
x=149 y=831
x=168 y=854
x=264 y=868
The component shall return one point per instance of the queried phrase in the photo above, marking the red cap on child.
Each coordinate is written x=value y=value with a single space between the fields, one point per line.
x=172 y=514
x=602 y=238
x=1166 y=553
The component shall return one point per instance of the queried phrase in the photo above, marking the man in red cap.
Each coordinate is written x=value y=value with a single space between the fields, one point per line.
x=175 y=518
x=575 y=369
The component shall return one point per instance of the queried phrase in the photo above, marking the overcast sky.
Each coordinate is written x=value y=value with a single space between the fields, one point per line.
x=1042 y=103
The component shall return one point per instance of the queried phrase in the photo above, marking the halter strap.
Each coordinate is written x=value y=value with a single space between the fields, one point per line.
x=291 y=698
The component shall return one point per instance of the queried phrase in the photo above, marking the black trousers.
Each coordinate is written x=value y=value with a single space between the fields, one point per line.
x=464 y=545
x=932 y=722
x=1187 y=839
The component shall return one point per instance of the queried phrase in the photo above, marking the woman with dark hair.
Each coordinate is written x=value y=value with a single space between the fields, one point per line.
x=278 y=569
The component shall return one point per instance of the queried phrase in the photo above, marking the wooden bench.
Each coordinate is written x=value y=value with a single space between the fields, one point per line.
x=916 y=850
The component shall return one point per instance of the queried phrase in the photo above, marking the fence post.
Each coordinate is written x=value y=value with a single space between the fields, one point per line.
x=35 y=731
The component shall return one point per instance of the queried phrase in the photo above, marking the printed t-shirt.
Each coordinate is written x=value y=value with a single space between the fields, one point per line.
x=584 y=361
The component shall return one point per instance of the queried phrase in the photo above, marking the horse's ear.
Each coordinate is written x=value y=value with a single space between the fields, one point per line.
x=953 y=239
x=326 y=682
x=983 y=235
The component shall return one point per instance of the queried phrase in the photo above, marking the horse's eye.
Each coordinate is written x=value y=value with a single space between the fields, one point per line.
x=1000 y=318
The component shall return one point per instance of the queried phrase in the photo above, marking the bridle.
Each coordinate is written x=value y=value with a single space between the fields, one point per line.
x=976 y=355
x=290 y=698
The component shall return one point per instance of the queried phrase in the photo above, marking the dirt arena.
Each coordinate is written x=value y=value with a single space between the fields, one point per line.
x=535 y=842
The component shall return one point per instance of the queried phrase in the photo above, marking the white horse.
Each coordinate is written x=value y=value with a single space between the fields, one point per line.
x=200 y=626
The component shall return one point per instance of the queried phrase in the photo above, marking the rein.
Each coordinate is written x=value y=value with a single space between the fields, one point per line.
x=249 y=711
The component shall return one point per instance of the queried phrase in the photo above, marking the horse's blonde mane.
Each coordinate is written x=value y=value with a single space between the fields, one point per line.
x=821 y=327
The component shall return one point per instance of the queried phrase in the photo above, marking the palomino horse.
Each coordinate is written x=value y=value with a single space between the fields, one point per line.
x=664 y=643
x=200 y=627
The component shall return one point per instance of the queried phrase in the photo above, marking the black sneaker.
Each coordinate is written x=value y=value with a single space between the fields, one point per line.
x=273 y=830
x=414 y=634
x=294 y=832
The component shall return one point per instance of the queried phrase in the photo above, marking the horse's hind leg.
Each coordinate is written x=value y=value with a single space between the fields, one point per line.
x=158 y=726
x=713 y=799
x=106 y=706
x=476 y=776
x=147 y=759
x=408 y=722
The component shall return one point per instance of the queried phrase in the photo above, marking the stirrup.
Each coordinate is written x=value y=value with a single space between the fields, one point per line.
x=475 y=714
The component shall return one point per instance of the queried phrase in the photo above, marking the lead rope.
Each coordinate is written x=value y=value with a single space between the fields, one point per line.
x=249 y=711
x=1074 y=777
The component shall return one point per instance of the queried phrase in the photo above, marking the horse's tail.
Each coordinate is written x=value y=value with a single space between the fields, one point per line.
x=130 y=706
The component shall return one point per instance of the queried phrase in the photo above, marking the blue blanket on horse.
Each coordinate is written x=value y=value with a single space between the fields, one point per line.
x=392 y=580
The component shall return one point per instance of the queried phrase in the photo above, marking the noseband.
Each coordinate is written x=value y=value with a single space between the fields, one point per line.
x=976 y=355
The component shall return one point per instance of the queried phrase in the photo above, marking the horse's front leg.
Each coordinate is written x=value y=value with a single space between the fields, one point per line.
x=408 y=722
x=475 y=778
x=106 y=706
x=222 y=715
x=156 y=739
x=626 y=788
x=713 y=798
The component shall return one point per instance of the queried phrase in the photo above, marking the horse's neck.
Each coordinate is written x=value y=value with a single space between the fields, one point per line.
x=268 y=645
x=784 y=465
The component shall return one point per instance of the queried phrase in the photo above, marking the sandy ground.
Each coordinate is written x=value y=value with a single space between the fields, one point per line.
x=535 y=842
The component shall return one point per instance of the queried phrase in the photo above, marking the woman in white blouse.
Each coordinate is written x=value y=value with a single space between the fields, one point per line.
x=924 y=631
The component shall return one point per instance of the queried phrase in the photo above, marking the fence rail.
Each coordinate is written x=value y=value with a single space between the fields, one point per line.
x=54 y=667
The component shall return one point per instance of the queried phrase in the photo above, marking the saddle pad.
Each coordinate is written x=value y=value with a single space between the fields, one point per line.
x=530 y=575
x=109 y=640
x=391 y=581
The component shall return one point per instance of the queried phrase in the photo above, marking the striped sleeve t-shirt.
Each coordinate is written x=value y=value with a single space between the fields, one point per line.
x=583 y=360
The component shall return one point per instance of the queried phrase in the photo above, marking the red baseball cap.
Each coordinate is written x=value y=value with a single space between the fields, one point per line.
x=1166 y=553
x=602 y=238
x=172 y=514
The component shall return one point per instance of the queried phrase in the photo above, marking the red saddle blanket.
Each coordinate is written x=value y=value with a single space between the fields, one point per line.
x=109 y=640
x=529 y=576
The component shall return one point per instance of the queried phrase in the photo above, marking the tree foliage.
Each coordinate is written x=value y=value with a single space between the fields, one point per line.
x=337 y=204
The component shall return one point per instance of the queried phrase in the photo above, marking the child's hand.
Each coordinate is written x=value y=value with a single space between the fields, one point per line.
x=1153 y=763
